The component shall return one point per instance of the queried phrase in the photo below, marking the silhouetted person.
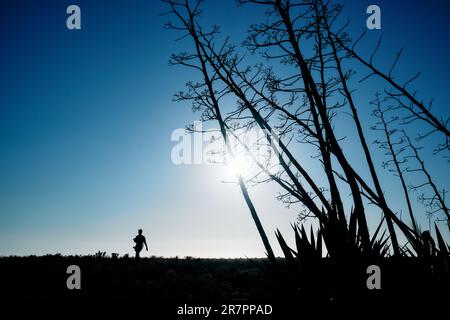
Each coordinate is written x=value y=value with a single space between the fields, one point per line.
x=140 y=241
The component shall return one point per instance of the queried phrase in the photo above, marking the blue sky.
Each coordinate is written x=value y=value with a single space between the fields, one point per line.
x=86 y=118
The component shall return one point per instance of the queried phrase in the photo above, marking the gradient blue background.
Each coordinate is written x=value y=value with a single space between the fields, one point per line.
x=86 y=118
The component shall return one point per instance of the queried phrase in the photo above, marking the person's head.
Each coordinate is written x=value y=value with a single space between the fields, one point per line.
x=140 y=231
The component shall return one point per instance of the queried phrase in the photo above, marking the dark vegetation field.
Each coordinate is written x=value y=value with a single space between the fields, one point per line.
x=193 y=279
x=150 y=278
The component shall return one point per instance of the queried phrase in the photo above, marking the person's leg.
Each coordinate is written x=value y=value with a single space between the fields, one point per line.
x=138 y=250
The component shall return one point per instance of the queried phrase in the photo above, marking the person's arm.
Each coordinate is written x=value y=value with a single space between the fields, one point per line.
x=145 y=242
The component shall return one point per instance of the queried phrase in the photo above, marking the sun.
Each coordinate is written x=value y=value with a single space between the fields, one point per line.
x=240 y=165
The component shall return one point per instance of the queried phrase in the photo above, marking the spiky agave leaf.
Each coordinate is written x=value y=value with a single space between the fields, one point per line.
x=312 y=237
x=352 y=226
x=374 y=237
x=287 y=251
x=442 y=246
x=319 y=243
x=413 y=238
x=380 y=247
x=443 y=249
x=306 y=249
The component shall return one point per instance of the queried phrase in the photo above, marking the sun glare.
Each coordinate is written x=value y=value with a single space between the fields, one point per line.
x=240 y=166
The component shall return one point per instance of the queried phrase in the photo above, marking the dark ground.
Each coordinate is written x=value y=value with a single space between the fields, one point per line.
x=164 y=284
x=126 y=278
